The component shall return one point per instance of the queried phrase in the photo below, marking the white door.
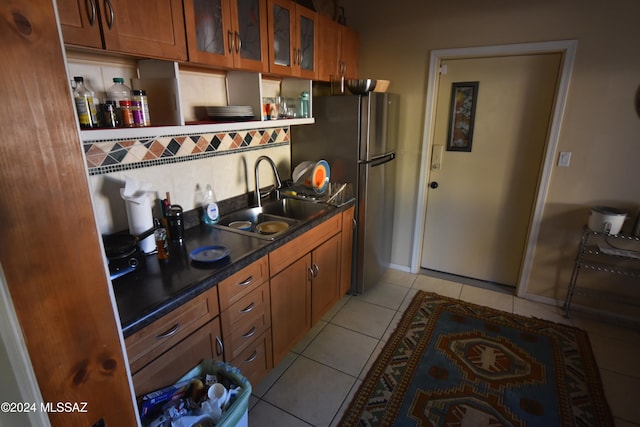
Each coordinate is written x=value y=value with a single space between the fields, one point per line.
x=479 y=203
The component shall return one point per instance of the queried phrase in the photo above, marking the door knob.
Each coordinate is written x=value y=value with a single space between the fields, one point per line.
x=433 y=184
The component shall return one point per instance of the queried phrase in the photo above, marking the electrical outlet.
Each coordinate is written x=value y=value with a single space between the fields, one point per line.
x=564 y=159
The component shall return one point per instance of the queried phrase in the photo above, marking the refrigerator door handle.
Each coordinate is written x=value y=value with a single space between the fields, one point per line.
x=382 y=160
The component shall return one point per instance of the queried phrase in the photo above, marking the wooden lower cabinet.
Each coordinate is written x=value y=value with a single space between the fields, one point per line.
x=290 y=306
x=166 y=332
x=246 y=320
x=261 y=318
x=325 y=281
x=305 y=283
x=256 y=360
x=205 y=343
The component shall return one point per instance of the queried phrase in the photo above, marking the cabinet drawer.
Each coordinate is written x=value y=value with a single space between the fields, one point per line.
x=246 y=320
x=234 y=287
x=148 y=343
x=288 y=253
x=172 y=365
x=256 y=360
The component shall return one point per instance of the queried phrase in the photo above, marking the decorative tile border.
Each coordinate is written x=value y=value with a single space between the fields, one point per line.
x=119 y=155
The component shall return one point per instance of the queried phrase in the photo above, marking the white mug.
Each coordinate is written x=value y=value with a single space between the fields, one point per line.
x=218 y=395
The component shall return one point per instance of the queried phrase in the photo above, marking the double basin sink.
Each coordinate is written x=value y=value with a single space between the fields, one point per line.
x=273 y=219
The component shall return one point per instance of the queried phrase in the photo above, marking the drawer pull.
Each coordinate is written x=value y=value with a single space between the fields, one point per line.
x=169 y=333
x=250 y=333
x=246 y=281
x=248 y=308
x=252 y=357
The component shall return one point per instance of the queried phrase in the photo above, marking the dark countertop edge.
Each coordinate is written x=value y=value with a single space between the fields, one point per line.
x=155 y=313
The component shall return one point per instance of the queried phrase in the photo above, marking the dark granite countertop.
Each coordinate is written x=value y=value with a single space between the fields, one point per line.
x=155 y=288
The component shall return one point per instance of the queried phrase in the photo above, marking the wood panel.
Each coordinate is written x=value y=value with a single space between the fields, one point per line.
x=289 y=252
x=326 y=280
x=152 y=28
x=244 y=321
x=236 y=286
x=80 y=23
x=172 y=365
x=148 y=343
x=256 y=360
x=51 y=252
x=290 y=307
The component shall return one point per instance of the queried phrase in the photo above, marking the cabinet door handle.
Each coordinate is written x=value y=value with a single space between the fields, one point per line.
x=92 y=15
x=252 y=357
x=310 y=273
x=220 y=346
x=230 y=40
x=170 y=332
x=248 y=308
x=110 y=18
x=251 y=333
x=238 y=42
x=246 y=281
x=316 y=270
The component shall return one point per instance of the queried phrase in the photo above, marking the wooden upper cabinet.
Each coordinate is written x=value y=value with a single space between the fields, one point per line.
x=328 y=48
x=80 y=22
x=151 y=28
x=227 y=33
x=349 y=52
x=338 y=50
x=293 y=39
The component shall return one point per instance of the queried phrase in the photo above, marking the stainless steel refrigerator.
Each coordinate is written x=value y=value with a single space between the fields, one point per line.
x=357 y=136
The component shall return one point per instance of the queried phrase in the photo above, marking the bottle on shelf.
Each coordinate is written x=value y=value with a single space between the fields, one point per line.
x=120 y=94
x=304 y=104
x=140 y=108
x=127 y=114
x=210 y=212
x=83 y=97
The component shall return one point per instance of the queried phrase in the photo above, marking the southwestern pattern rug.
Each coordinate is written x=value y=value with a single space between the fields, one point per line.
x=452 y=363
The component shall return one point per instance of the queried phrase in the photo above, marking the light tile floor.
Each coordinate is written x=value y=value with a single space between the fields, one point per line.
x=314 y=383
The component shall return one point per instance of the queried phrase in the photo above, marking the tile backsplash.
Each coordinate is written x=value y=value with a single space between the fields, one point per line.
x=181 y=165
x=119 y=155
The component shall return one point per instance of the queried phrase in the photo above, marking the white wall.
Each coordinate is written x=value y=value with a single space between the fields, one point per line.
x=601 y=127
x=229 y=175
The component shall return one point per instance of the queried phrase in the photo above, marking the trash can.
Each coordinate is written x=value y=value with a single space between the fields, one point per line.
x=174 y=405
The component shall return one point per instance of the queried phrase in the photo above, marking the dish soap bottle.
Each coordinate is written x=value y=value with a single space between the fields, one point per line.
x=210 y=212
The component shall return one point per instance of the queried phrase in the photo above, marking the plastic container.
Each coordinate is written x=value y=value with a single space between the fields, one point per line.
x=127 y=114
x=110 y=116
x=140 y=107
x=210 y=212
x=83 y=97
x=304 y=104
x=118 y=93
x=234 y=414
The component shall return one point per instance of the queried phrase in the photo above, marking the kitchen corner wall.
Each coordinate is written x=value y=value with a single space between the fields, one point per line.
x=181 y=165
x=600 y=126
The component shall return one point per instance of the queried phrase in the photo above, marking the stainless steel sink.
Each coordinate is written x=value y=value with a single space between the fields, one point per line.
x=293 y=212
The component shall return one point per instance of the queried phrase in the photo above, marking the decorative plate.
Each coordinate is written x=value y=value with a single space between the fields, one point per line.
x=272 y=227
x=209 y=253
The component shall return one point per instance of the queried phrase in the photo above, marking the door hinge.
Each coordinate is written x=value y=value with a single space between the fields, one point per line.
x=443 y=69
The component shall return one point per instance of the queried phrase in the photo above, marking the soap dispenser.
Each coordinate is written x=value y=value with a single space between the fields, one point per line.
x=210 y=212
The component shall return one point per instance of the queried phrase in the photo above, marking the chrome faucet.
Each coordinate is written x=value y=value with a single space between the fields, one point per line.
x=275 y=172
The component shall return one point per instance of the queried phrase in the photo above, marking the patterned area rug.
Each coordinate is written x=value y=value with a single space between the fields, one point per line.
x=452 y=363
